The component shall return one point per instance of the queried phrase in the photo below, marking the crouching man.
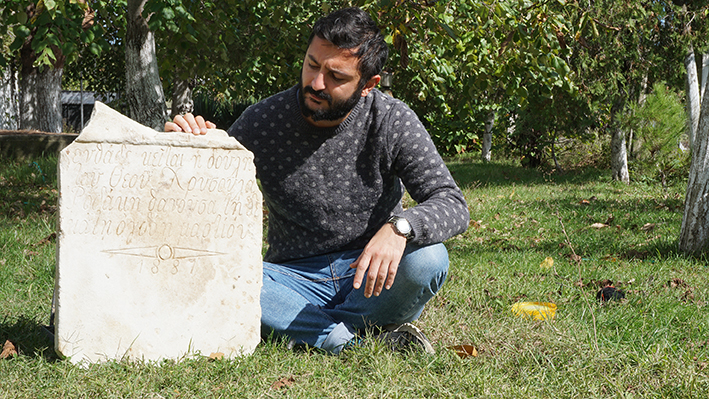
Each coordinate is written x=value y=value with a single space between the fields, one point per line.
x=334 y=156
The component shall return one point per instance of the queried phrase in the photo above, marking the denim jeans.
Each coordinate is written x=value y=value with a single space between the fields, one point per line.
x=311 y=301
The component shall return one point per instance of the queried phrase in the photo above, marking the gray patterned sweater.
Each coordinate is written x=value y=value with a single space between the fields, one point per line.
x=332 y=189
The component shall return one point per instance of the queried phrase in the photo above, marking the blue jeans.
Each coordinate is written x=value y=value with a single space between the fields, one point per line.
x=311 y=301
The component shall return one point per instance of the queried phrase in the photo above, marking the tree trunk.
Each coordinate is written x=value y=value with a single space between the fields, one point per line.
x=182 y=102
x=40 y=92
x=693 y=98
x=694 y=233
x=619 y=156
x=705 y=74
x=487 y=136
x=641 y=101
x=9 y=99
x=144 y=93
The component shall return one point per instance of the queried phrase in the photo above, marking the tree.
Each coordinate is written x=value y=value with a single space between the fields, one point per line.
x=47 y=35
x=457 y=63
x=144 y=91
x=694 y=233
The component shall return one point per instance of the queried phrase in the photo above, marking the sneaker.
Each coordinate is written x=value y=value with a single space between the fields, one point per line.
x=405 y=336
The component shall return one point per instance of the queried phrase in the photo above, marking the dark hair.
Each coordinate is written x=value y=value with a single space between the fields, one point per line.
x=352 y=28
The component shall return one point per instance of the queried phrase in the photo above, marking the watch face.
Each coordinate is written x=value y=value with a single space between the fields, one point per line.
x=403 y=226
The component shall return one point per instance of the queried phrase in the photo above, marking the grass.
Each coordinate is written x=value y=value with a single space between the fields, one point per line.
x=652 y=344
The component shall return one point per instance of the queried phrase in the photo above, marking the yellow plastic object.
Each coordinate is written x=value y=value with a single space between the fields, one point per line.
x=537 y=310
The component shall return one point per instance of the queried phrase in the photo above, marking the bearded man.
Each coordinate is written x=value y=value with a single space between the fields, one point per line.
x=334 y=156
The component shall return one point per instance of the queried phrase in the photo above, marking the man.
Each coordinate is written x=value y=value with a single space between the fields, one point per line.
x=331 y=154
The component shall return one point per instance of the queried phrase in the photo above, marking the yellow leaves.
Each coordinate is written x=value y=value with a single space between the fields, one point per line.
x=547 y=263
x=536 y=310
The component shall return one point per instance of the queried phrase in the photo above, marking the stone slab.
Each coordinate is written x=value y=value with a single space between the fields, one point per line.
x=159 y=244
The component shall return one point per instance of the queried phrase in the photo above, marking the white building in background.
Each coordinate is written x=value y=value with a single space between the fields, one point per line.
x=9 y=99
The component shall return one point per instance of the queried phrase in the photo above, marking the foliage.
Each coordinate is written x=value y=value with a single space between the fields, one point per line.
x=454 y=62
x=220 y=109
x=54 y=30
x=104 y=71
x=659 y=123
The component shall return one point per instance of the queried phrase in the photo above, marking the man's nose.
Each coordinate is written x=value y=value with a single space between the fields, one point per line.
x=318 y=82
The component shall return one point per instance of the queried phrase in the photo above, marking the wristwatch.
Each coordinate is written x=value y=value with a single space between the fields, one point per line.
x=402 y=227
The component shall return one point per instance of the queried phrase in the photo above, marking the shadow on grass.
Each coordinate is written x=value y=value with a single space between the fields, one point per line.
x=29 y=337
x=468 y=172
x=28 y=187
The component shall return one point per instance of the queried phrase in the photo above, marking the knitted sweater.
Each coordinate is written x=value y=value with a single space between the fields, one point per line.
x=332 y=189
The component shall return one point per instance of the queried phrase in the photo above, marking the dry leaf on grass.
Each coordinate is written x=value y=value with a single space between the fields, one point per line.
x=285 y=382
x=50 y=238
x=599 y=225
x=547 y=263
x=216 y=356
x=8 y=350
x=648 y=227
x=464 y=351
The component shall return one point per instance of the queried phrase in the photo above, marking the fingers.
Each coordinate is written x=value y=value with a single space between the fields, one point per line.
x=361 y=264
x=190 y=124
x=380 y=274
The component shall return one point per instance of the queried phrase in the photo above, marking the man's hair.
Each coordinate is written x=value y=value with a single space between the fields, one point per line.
x=352 y=28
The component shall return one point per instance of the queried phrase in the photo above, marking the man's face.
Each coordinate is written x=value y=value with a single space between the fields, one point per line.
x=330 y=83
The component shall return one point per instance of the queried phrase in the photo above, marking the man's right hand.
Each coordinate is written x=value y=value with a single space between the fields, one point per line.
x=190 y=124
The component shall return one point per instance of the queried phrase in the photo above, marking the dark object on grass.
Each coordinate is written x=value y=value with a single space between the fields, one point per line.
x=610 y=292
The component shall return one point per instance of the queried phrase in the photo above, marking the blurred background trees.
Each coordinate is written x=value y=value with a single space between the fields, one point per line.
x=551 y=83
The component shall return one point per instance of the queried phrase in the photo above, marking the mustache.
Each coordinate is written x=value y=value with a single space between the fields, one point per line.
x=317 y=93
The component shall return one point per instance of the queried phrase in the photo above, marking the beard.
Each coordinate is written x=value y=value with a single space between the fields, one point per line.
x=336 y=109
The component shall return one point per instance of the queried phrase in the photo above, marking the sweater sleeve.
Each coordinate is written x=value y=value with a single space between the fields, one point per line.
x=441 y=211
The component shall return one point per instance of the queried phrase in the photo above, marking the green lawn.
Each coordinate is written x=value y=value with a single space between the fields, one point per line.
x=653 y=343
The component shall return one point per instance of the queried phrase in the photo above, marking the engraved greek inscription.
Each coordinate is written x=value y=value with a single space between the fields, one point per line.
x=197 y=161
x=163 y=157
x=233 y=206
x=119 y=179
x=212 y=185
x=89 y=179
x=224 y=162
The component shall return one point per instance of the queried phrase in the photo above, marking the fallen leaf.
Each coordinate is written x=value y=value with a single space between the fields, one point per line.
x=8 y=350
x=547 y=263
x=599 y=225
x=464 y=351
x=648 y=227
x=285 y=382
x=677 y=282
x=216 y=356
x=47 y=239
x=585 y=202
x=688 y=296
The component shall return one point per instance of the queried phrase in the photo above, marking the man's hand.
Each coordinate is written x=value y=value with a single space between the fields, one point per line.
x=190 y=124
x=380 y=261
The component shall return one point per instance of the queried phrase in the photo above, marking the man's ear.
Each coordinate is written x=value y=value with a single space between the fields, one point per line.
x=371 y=83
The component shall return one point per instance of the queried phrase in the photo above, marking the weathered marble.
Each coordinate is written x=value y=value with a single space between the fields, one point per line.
x=159 y=244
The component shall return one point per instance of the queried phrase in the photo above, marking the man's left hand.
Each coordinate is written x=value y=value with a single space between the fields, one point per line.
x=380 y=261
